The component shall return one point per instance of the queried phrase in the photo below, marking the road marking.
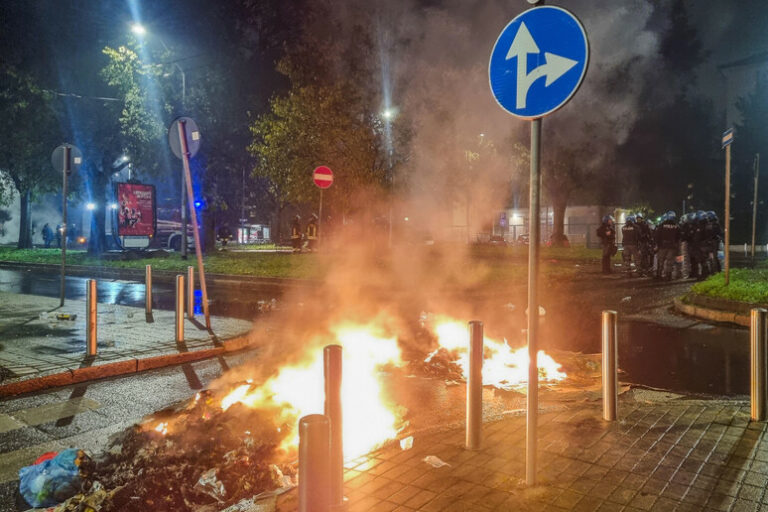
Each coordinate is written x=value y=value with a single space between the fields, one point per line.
x=8 y=423
x=52 y=412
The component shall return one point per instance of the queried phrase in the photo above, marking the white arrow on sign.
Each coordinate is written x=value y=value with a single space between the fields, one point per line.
x=555 y=67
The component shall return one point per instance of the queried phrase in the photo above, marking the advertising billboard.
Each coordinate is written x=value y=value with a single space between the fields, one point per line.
x=135 y=209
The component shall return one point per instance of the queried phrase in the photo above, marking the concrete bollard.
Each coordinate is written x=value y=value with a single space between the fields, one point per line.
x=148 y=289
x=758 y=337
x=314 y=464
x=610 y=366
x=91 y=318
x=474 y=429
x=179 y=308
x=191 y=292
x=333 y=410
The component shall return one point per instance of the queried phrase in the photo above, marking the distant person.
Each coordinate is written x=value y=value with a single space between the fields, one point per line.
x=713 y=236
x=607 y=235
x=668 y=242
x=630 y=240
x=645 y=244
x=59 y=229
x=47 y=235
x=311 y=232
x=224 y=235
x=296 y=234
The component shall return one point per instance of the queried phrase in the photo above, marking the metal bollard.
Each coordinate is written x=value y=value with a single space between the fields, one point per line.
x=332 y=365
x=475 y=387
x=148 y=289
x=191 y=292
x=179 y=308
x=314 y=463
x=91 y=318
x=758 y=337
x=610 y=366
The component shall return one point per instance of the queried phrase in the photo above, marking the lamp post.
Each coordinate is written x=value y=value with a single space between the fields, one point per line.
x=140 y=31
x=389 y=114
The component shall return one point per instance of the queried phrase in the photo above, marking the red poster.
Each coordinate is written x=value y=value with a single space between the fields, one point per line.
x=135 y=209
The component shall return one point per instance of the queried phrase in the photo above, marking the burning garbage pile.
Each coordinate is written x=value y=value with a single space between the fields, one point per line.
x=240 y=439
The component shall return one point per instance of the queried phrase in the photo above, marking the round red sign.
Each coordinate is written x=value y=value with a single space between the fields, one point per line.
x=323 y=177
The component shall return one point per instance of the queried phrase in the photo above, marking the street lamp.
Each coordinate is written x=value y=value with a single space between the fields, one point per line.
x=388 y=114
x=90 y=206
x=138 y=29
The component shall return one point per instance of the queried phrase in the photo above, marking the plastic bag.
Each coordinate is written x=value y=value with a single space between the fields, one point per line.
x=53 y=480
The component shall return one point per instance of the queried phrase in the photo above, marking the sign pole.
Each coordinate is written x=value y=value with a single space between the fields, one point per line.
x=184 y=216
x=754 y=204
x=727 y=223
x=320 y=215
x=191 y=201
x=532 y=411
x=66 y=153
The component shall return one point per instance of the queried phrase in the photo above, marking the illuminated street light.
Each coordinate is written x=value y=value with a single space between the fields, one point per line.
x=388 y=114
x=138 y=29
x=90 y=206
x=113 y=206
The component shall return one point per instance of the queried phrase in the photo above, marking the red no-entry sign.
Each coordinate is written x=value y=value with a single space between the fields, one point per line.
x=322 y=176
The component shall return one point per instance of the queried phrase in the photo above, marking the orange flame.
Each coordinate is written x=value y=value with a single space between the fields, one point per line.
x=503 y=367
x=299 y=390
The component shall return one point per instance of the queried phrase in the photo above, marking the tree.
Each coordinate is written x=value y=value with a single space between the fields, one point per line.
x=29 y=136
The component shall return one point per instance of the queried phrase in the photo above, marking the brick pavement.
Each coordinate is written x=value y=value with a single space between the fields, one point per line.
x=666 y=453
x=33 y=343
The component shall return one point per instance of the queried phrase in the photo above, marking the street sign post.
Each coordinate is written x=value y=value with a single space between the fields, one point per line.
x=537 y=64
x=193 y=143
x=727 y=141
x=184 y=139
x=65 y=159
x=323 y=178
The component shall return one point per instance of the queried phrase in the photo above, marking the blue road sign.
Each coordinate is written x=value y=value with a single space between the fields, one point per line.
x=538 y=62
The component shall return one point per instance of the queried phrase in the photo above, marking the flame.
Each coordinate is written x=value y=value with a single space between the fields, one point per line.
x=162 y=427
x=298 y=390
x=503 y=367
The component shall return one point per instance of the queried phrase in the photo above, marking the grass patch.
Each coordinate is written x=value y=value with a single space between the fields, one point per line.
x=747 y=285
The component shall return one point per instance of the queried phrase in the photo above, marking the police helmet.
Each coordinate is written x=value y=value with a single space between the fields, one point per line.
x=631 y=219
x=639 y=216
x=607 y=219
x=671 y=215
x=711 y=215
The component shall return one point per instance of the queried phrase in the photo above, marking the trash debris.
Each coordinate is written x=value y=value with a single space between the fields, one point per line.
x=407 y=443
x=53 y=480
x=435 y=462
x=210 y=484
x=268 y=504
x=542 y=311
x=66 y=316
x=626 y=299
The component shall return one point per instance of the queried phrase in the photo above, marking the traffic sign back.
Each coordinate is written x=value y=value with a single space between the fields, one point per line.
x=546 y=43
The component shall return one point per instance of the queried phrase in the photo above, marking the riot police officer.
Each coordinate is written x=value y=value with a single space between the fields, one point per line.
x=630 y=240
x=645 y=244
x=607 y=235
x=668 y=242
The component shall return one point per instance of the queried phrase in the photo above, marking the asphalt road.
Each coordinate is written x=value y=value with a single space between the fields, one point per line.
x=86 y=415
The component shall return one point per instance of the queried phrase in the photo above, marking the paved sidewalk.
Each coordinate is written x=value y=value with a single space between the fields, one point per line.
x=666 y=453
x=39 y=350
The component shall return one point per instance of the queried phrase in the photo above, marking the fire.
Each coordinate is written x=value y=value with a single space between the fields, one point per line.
x=162 y=427
x=298 y=390
x=503 y=367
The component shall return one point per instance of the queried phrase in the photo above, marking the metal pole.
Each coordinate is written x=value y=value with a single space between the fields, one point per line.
x=148 y=289
x=183 y=216
x=319 y=217
x=314 y=463
x=727 y=220
x=63 y=234
x=754 y=204
x=532 y=410
x=610 y=365
x=195 y=231
x=191 y=292
x=758 y=336
x=474 y=431
x=333 y=410
x=91 y=317
x=179 y=308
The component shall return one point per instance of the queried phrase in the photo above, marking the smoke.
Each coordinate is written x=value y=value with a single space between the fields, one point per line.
x=42 y=211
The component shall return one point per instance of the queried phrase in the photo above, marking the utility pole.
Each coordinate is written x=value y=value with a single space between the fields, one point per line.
x=754 y=204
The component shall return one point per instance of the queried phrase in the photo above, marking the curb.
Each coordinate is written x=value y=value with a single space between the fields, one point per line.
x=117 y=368
x=712 y=315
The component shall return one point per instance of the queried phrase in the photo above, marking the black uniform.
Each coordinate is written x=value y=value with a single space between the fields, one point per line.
x=646 y=246
x=668 y=241
x=630 y=239
x=607 y=235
